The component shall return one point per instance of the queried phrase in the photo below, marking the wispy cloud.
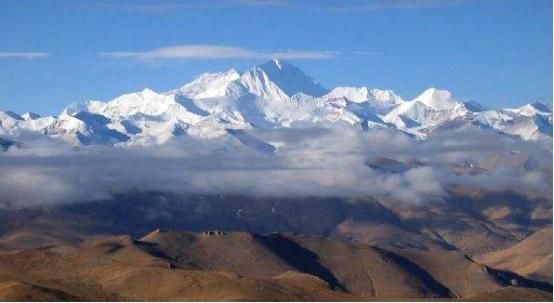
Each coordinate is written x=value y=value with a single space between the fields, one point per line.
x=347 y=6
x=219 y=52
x=24 y=55
x=167 y=7
x=262 y=2
x=324 y=5
x=366 y=53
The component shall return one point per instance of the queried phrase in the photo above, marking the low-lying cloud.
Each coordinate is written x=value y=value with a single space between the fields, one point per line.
x=309 y=161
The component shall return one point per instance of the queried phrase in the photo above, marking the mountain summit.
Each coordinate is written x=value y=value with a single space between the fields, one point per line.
x=437 y=99
x=290 y=78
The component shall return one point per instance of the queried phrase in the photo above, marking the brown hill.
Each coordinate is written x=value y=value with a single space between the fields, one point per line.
x=243 y=266
x=359 y=269
x=120 y=268
x=17 y=291
x=532 y=257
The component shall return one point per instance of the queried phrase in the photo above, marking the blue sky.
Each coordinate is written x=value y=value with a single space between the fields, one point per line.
x=53 y=53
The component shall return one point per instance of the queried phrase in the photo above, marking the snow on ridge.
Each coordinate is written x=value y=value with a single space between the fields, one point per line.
x=209 y=85
x=290 y=79
x=271 y=95
x=436 y=99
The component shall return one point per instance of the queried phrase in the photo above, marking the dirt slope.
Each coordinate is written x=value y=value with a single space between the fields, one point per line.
x=532 y=257
x=244 y=266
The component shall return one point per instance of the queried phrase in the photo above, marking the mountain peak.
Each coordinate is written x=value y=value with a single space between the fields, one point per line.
x=352 y=93
x=148 y=92
x=532 y=109
x=541 y=106
x=12 y=115
x=275 y=65
x=210 y=85
x=30 y=116
x=434 y=92
x=278 y=62
x=290 y=79
x=436 y=98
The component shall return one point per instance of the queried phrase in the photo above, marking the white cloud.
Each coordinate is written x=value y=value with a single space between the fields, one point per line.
x=330 y=6
x=218 y=52
x=266 y=3
x=340 y=6
x=323 y=160
x=160 y=7
x=25 y=55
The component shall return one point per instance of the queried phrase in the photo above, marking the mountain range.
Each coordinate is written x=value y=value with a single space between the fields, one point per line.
x=275 y=94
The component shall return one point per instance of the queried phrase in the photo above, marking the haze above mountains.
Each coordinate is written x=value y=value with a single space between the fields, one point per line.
x=272 y=95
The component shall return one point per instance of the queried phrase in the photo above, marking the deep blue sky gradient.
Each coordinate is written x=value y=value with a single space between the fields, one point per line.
x=498 y=52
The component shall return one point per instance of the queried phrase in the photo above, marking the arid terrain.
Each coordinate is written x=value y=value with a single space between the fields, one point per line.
x=240 y=248
x=216 y=265
x=531 y=257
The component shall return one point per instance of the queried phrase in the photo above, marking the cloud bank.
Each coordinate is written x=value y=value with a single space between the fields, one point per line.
x=309 y=161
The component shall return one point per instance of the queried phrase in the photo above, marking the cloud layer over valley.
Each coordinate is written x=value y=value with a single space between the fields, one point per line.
x=306 y=160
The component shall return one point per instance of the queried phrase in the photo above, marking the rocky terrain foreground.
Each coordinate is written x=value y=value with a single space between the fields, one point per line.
x=220 y=265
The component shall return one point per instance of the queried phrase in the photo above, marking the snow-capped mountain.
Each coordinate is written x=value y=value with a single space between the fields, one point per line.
x=286 y=77
x=271 y=95
x=211 y=85
x=532 y=109
x=380 y=100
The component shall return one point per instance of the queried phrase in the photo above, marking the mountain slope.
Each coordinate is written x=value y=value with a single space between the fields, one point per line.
x=120 y=268
x=532 y=257
x=290 y=79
